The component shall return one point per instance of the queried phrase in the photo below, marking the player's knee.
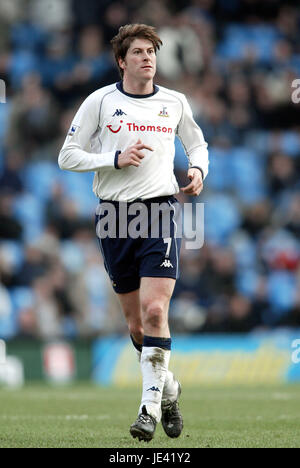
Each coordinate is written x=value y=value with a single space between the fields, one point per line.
x=154 y=314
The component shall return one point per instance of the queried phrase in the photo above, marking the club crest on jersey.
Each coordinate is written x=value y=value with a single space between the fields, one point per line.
x=163 y=112
x=73 y=129
x=119 y=112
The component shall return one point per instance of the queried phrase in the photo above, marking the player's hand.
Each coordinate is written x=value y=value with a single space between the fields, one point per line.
x=133 y=155
x=196 y=185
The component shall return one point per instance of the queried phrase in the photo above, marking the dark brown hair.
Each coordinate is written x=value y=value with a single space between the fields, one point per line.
x=126 y=35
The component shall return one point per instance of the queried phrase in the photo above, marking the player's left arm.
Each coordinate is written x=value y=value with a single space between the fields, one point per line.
x=194 y=188
x=195 y=147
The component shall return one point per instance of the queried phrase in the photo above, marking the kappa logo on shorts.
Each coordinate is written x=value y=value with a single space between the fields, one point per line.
x=167 y=264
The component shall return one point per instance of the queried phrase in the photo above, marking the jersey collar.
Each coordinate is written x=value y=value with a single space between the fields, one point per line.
x=138 y=96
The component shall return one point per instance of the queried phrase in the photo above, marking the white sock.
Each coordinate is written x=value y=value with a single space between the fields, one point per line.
x=170 y=390
x=154 y=365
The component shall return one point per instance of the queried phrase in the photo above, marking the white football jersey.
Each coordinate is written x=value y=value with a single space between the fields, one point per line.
x=111 y=120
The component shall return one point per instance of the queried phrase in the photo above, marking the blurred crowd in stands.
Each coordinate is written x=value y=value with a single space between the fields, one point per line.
x=235 y=60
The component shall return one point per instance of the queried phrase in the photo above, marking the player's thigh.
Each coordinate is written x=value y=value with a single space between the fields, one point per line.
x=131 y=306
x=156 y=291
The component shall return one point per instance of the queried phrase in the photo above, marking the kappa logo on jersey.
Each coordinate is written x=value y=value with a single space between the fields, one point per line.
x=73 y=129
x=154 y=389
x=119 y=112
x=163 y=112
x=167 y=264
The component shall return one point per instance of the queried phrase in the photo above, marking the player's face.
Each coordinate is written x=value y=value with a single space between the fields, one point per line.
x=140 y=60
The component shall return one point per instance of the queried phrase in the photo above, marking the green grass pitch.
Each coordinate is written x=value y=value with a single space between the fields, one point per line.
x=90 y=416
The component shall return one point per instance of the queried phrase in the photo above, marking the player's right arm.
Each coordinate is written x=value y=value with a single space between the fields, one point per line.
x=74 y=155
x=133 y=155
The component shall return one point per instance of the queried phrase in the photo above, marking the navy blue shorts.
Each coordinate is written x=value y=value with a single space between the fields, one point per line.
x=143 y=244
